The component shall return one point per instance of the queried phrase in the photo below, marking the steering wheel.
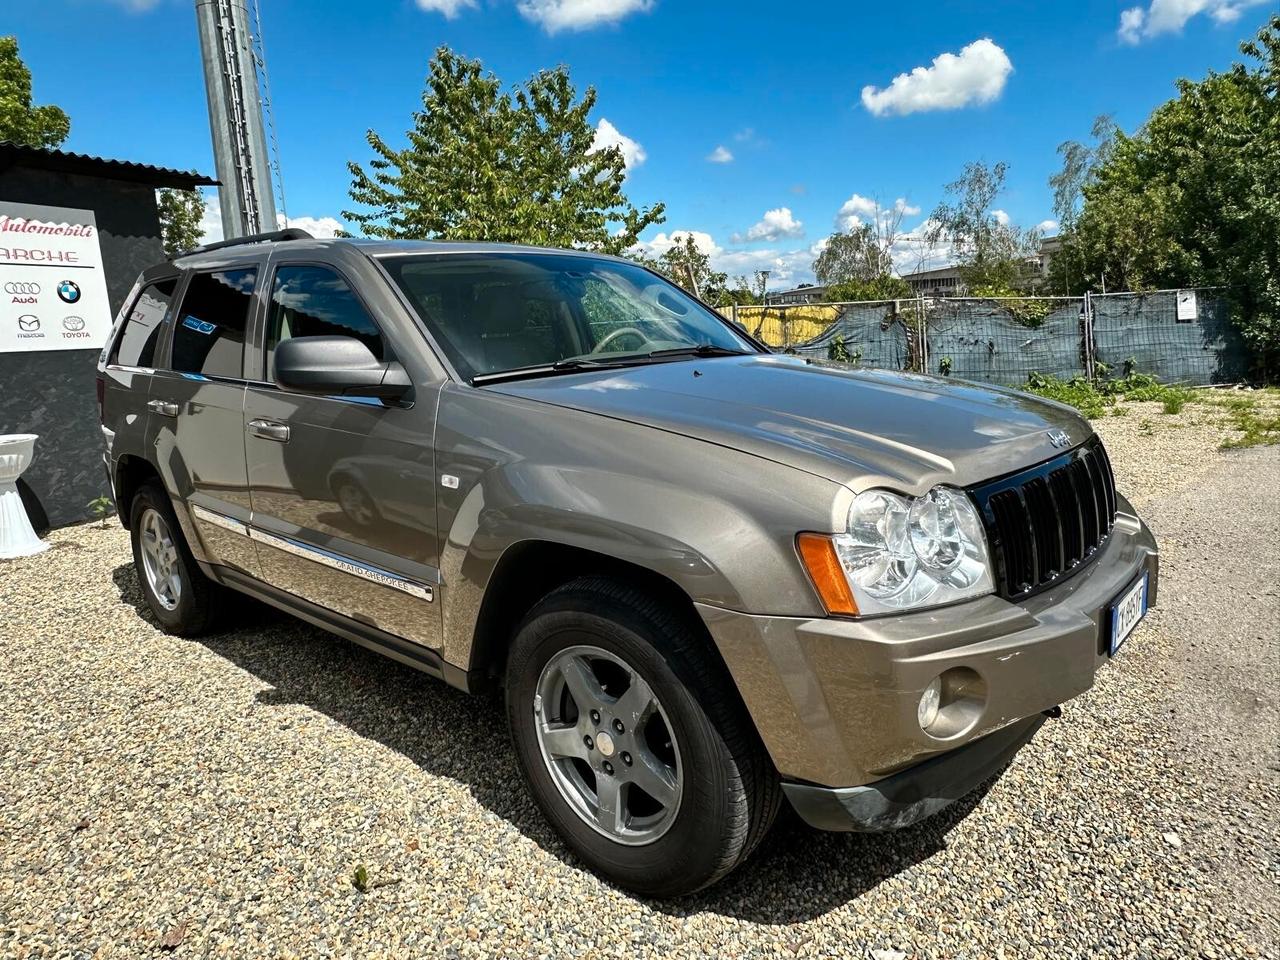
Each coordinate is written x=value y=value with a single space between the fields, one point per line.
x=620 y=332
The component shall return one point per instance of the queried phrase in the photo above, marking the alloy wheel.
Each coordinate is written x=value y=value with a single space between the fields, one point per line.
x=160 y=559
x=608 y=745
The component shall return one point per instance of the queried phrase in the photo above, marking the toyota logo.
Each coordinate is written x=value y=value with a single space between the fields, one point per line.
x=29 y=289
x=73 y=323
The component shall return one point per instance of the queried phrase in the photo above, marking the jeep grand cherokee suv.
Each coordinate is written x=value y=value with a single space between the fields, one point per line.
x=706 y=577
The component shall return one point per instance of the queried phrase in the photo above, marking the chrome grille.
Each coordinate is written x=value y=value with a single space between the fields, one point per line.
x=1046 y=522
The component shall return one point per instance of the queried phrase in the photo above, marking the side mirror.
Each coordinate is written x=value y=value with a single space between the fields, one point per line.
x=337 y=366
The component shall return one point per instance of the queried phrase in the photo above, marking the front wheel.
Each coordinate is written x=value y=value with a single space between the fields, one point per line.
x=630 y=742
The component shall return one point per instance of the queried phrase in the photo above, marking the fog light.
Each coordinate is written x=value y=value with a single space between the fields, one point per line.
x=930 y=701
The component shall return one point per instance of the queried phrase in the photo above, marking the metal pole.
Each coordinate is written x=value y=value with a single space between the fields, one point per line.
x=235 y=118
x=1087 y=333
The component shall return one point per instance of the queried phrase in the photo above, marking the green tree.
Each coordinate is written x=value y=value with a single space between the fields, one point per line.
x=1079 y=161
x=991 y=252
x=854 y=255
x=1193 y=198
x=484 y=164
x=883 y=287
x=180 y=214
x=46 y=126
x=688 y=266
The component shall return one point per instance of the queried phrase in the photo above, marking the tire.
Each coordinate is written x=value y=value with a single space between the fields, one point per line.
x=186 y=605
x=726 y=790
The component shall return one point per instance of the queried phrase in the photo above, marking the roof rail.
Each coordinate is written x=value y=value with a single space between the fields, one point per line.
x=290 y=233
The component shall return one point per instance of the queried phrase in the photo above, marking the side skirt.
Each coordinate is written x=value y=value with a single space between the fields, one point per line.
x=398 y=649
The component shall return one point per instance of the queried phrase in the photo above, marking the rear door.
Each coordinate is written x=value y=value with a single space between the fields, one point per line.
x=343 y=487
x=197 y=410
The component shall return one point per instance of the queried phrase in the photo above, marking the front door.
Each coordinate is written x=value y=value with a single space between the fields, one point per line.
x=342 y=487
x=196 y=408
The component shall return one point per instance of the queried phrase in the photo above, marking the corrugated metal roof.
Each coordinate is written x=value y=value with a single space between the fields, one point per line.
x=16 y=154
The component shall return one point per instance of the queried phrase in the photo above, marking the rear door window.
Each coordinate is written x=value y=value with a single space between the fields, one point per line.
x=209 y=328
x=136 y=345
x=312 y=301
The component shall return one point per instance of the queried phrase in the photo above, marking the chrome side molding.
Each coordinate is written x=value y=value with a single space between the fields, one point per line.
x=355 y=568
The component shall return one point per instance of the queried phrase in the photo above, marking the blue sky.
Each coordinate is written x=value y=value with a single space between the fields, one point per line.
x=801 y=97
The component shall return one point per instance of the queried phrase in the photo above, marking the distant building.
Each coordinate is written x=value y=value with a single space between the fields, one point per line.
x=805 y=293
x=941 y=282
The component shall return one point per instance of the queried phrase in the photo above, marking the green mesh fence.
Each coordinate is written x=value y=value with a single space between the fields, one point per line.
x=1179 y=336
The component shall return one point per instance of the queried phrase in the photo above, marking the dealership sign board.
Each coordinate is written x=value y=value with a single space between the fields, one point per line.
x=53 y=293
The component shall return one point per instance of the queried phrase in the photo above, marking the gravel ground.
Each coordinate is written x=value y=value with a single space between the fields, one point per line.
x=216 y=797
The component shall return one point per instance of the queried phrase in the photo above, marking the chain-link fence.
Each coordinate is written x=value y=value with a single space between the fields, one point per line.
x=1179 y=336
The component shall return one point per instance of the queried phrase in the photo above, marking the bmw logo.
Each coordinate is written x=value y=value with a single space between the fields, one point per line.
x=68 y=291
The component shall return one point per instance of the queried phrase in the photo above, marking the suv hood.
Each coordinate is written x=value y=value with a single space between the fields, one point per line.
x=864 y=428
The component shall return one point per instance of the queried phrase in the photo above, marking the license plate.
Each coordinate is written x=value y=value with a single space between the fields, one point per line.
x=1126 y=612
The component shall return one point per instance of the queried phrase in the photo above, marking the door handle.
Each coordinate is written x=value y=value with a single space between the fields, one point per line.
x=270 y=430
x=166 y=408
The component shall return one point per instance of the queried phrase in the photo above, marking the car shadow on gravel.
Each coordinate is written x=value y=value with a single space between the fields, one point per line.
x=797 y=874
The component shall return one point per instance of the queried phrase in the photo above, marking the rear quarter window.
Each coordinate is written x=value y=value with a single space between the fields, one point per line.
x=136 y=345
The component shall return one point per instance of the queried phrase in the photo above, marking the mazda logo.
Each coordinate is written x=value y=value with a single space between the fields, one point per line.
x=29 y=323
x=30 y=289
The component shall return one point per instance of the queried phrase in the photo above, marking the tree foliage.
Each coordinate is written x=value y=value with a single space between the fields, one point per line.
x=31 y=126
x=1193 y=198
x=181 y=212
x=486 y=164
x=883 y=287
x=856 y=255
x=990 y=251
x=686 y=264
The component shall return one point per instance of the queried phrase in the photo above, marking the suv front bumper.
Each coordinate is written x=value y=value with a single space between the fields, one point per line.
x=835 y=701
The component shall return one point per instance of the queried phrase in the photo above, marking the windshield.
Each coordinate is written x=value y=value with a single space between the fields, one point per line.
x=493 y=313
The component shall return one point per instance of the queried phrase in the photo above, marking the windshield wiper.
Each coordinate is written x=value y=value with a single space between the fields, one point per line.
x=569 y=365
x=701 y=350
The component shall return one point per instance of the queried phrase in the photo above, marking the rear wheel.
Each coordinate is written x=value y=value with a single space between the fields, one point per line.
x=178 y=593
x=630 y=741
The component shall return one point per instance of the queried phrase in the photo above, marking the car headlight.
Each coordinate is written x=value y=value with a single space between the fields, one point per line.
x=902 y=553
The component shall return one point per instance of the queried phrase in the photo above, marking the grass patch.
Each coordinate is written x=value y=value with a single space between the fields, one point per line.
x=1095 y=399
x=1255 y=429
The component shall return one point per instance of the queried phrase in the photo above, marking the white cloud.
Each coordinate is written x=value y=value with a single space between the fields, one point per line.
x=607 y=135
x=557 y=15
x=745 y=135
x=1001 y=217
x=858 y=210
x=447 y=8
x=773 y=226
x=976 y=75
x=720 y=154
x=137 y=6
x=1048 y=226
x=211 y=222
x=663 y=242
x=318 y=227
x=1170 y=16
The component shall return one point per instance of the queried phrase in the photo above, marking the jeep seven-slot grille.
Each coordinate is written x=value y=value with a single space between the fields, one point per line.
x=1047 y=522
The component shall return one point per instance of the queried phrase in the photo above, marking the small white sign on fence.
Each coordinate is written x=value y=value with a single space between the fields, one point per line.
x=1187 y=312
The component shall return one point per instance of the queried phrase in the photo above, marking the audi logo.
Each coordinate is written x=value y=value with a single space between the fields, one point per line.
x=27 y=288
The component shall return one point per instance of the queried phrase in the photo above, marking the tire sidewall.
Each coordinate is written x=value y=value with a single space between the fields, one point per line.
x=693 y=845
x=186 y=611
